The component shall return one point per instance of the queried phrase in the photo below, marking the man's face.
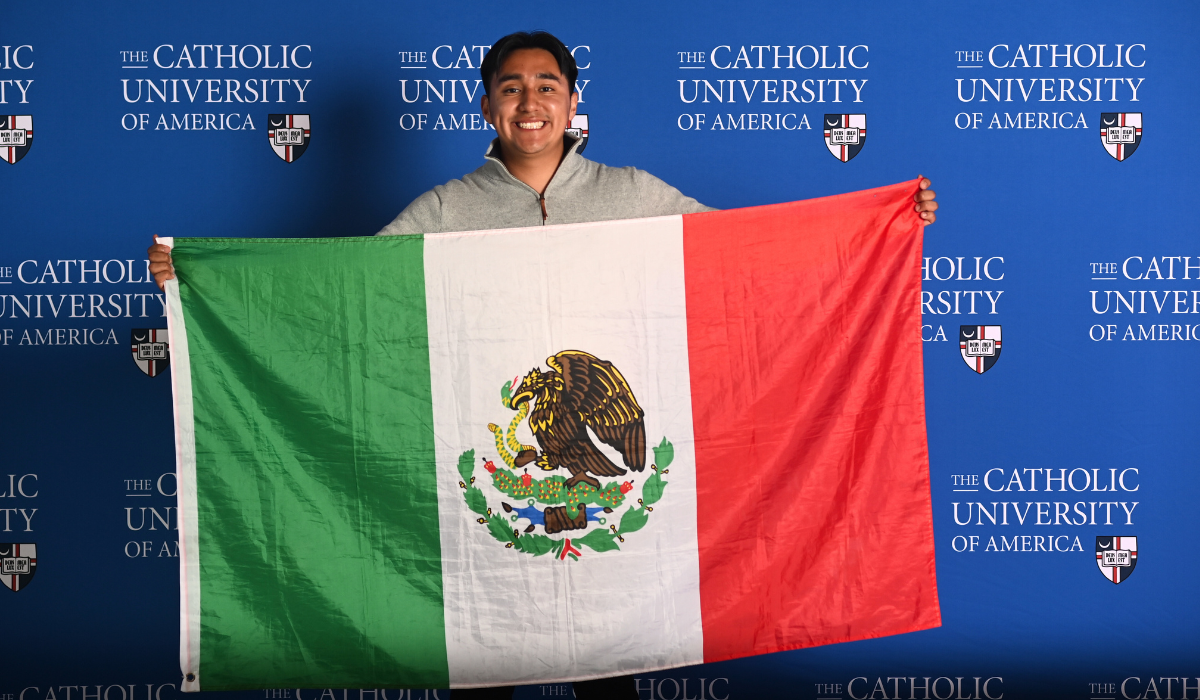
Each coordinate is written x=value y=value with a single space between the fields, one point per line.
x=530 y=104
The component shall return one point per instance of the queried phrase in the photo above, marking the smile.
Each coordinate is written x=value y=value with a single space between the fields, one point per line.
x=531 y=125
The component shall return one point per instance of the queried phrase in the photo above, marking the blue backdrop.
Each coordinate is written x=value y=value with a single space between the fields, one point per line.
x=1077 y=241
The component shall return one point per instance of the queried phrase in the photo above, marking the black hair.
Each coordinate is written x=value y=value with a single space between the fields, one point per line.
x=528 y=40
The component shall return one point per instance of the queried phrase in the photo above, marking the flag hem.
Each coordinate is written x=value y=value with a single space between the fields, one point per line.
x=185 y=466
x=920 y=627
x=585 y=677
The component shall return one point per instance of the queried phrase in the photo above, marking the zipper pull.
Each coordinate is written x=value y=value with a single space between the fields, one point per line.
x=542 y=201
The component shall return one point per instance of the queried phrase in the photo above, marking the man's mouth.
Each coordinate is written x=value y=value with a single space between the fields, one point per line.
x=531 y=125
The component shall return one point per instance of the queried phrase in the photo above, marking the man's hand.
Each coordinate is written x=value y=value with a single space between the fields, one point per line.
x=163 y=269
x=926 y=206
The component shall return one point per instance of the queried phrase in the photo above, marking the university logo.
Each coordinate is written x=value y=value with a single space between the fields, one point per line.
x=845 y=135
x=151 y=351
x=16 y=136
x=979 y=346
x=579 y=129
x=565 y=515
x=288 y=134
x=1120 y=132
x=18 y=564
x=1116 y=557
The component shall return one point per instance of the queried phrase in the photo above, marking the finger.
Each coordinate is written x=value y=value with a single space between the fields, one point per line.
x=924 y=195
x=922 y=182
x=926 y=206
x=159 y=254
x=161 y=278
x=928 y=217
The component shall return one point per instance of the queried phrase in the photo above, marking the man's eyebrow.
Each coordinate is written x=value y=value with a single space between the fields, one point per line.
x=540 y=76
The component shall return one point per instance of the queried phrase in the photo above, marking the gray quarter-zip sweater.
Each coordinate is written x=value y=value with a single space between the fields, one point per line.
x=581 y=190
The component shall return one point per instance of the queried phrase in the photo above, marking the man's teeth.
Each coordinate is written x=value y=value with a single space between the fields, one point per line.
x=531 y=125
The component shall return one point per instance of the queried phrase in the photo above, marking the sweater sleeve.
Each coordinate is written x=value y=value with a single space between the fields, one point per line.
x=423 y=215
x=660 y=199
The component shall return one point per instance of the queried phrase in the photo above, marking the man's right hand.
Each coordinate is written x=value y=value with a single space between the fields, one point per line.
x=161 y=266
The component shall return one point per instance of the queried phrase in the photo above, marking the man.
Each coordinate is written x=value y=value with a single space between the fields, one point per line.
x=535 y=176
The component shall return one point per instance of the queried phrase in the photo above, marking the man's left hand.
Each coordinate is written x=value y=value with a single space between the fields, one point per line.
x=926 y=206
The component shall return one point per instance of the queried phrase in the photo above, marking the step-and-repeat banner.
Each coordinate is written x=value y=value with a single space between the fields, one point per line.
x=1061 y=298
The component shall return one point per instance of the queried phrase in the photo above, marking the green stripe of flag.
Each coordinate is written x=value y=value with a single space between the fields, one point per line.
x=317 y=501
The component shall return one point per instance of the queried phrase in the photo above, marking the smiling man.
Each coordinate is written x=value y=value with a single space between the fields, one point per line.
x=534 y=174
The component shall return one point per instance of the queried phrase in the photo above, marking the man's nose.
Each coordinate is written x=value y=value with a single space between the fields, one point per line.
x=529 y=100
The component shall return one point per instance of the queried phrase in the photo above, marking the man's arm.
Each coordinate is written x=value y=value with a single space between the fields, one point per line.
x=423 y=215
x=660 y=199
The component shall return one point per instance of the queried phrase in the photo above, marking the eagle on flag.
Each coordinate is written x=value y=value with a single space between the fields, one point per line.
x=582 y=391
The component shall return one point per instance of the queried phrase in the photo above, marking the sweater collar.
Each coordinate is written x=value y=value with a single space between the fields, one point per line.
x=570 y=162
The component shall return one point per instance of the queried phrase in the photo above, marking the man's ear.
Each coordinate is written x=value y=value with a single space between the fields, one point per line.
x=485 y=106
x=574 y=104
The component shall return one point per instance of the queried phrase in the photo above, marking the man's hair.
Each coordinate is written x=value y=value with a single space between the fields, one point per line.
x=528 y=40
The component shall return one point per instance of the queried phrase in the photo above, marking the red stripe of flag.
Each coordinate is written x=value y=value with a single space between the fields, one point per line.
x=812 y=476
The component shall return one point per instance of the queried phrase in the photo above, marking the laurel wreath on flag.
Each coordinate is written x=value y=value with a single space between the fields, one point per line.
x=552 y=491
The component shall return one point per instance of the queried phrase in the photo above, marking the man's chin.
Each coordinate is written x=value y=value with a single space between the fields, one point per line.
x=527 y=146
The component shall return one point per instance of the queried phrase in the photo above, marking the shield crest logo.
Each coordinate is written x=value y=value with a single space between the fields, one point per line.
x=151 y=351
x=16 y=136
x=979 y=346
x=288 y=134
x=1120 y=133
x=1116 y=556
x=579 y=129
x=18 y=564
x=845 y=135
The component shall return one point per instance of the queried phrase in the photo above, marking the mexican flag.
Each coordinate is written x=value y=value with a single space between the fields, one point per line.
x=550 y=454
